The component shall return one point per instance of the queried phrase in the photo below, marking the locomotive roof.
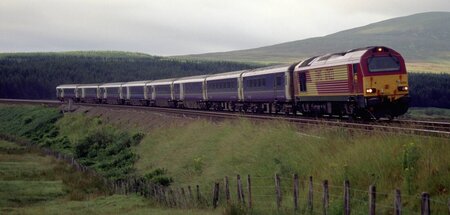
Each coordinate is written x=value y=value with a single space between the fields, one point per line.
x=332 y=59
x=265 y=70
x=197 y=78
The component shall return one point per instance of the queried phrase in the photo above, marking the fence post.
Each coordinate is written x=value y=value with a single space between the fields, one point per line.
x=215 y=195
x=190 y=193
x=326 y=197
x=171 y=197
x=249 y=190
x=346 y=197
x=398 y=202
x=278 y=190
x=191 y=197
x=372 y=199
x=183 y=197
x=240 y=192
x=310 y=194
x=448 y=206
x=199 y=195
x=425 y=206
x=227 y=189
x=296 y=184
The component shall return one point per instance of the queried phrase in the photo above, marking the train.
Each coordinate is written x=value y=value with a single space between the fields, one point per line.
x=362 y=83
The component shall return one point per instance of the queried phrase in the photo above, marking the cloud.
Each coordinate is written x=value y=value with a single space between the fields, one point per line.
x=169 y=27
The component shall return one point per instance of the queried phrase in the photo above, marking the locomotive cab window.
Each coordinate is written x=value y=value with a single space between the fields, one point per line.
x=384 y=64
x=302 y=79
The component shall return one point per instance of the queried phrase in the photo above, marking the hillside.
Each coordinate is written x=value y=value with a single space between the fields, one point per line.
x=35 y=75
x=423 y=37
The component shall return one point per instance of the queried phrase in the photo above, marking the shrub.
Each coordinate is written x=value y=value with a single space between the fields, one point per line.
x=157 y=176
x=411 y=155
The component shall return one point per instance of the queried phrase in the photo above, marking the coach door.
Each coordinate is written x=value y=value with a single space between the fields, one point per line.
x=278 y=86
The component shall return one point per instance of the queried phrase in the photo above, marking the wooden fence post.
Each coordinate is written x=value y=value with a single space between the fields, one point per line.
x=346 y=197
x=326 y=197
x=372 y=199
x=310 y=194
x=171 y=197
x=296 y=185
x=425 y=206
x=448 y=206
x=278 y=190
x=191 y=197
x=183 y=197
x=215 y=195
x=199 y=195
x=249 y=190
x=398 y=202
x=227 y=189
x=240 y=192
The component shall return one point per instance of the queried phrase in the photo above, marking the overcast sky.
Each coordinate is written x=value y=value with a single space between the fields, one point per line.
x=174 y=27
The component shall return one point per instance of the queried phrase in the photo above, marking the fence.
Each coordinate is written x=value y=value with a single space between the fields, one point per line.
x=288 y=195
x=277 y=193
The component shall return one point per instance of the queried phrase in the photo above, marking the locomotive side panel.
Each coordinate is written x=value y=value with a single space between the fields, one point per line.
x=315 y=84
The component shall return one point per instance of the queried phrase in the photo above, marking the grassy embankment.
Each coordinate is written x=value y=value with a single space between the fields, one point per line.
x=203 y=152
x=31 y=183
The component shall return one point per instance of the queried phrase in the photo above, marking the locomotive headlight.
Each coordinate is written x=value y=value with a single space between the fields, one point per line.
x=404 y=88
x=371 y=90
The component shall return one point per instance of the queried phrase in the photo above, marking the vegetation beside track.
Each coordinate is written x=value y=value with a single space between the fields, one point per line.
x=99 y=146
x=428 y=113
x=202 y=152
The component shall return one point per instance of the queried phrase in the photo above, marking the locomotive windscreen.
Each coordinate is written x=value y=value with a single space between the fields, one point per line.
x=384 y=64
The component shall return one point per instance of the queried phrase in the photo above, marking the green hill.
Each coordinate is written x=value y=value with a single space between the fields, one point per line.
x=35 y=75
x=423 y=37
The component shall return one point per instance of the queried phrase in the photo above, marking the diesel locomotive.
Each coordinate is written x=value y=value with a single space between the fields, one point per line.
x=369 y=83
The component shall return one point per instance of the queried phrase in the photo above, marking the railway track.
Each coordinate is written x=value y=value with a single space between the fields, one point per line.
x=413 y=127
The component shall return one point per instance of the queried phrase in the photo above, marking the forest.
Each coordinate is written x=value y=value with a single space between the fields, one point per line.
x=35 y=76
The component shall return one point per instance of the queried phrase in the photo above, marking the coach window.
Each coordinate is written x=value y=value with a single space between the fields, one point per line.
x=278 y=81
x=302 y=77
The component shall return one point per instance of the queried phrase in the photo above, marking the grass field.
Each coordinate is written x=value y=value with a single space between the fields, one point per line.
x=428 y=113
x=429 y=67
x=34 y=184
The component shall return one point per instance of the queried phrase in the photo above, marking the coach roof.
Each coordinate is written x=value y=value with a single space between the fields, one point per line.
x=191 y=79
x=226 y=75
x=136 y=83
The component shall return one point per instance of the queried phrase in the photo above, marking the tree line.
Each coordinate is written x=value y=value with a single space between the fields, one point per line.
x=35 y=76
